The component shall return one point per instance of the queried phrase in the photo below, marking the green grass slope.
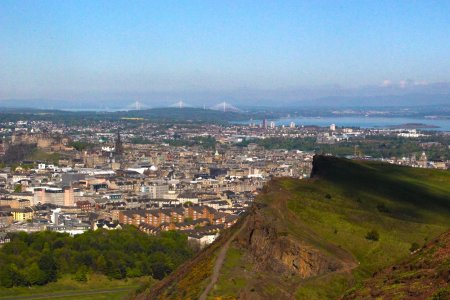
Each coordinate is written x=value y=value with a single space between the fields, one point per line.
x=423 y=275
x=347 y=199
x=341 y=203
x=333 y=212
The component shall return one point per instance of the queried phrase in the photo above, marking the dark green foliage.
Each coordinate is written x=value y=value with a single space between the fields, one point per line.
x=80 y=145
x=48 y=266
x=81 y=274
x=414 y=246
x=328 y=196
x=373 y=235
x=35 y=275
x=10 y=275
x=39 y=258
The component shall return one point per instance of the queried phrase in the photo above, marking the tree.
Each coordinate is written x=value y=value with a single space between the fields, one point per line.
x=6 y=277
x=134 y=272
x=79 y=145
x=81 y=274
x=100 y=264
x=35 y=275
x=48 y=265
x=10 y=276
x=160 y=269
x=188 y=203
x=18 y=188
x=119 y=254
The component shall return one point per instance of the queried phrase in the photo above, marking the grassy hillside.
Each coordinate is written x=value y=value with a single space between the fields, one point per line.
x=329 y=217
x=347 y=199
x=423 y=275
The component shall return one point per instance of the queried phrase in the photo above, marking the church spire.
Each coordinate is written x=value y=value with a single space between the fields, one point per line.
x=118 y=149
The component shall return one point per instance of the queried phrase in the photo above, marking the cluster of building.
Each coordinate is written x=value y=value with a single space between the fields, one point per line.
x=151 y=176
x=153 y=186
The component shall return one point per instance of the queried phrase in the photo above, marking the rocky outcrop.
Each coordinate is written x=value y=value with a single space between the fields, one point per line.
x=277 y=252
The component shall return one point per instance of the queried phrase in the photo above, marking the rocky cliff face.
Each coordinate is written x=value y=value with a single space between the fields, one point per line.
x=274 y=251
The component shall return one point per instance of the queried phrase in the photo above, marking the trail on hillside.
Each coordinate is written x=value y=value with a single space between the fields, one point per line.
x=219 y=262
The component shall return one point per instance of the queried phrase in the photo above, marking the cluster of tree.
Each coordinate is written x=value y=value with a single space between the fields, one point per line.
x=18 y=152
x=375 y=147
x=39 y=258
x=80 y=145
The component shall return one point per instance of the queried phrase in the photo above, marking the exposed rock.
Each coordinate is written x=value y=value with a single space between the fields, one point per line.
x=276 y=252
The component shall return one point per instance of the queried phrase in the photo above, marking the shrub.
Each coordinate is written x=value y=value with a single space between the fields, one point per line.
x=373 y=235
x=81 y=275
x=414 y=246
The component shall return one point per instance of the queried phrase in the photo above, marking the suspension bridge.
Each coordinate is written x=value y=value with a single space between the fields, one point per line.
x=225 y=107
x=137 y=106
x=180 y=104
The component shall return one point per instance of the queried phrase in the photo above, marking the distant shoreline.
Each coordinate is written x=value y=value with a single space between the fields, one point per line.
x=413 y=126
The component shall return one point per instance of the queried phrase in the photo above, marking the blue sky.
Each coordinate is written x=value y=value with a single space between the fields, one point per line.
x=78 y=50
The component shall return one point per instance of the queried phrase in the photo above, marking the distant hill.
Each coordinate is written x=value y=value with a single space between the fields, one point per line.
x=379 y=100
x=183 y=114
x=319 y=238
x=371 y=97
x=188 y=115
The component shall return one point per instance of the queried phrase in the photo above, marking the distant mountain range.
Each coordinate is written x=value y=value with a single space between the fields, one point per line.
x=387 y=100
x=269 y=100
